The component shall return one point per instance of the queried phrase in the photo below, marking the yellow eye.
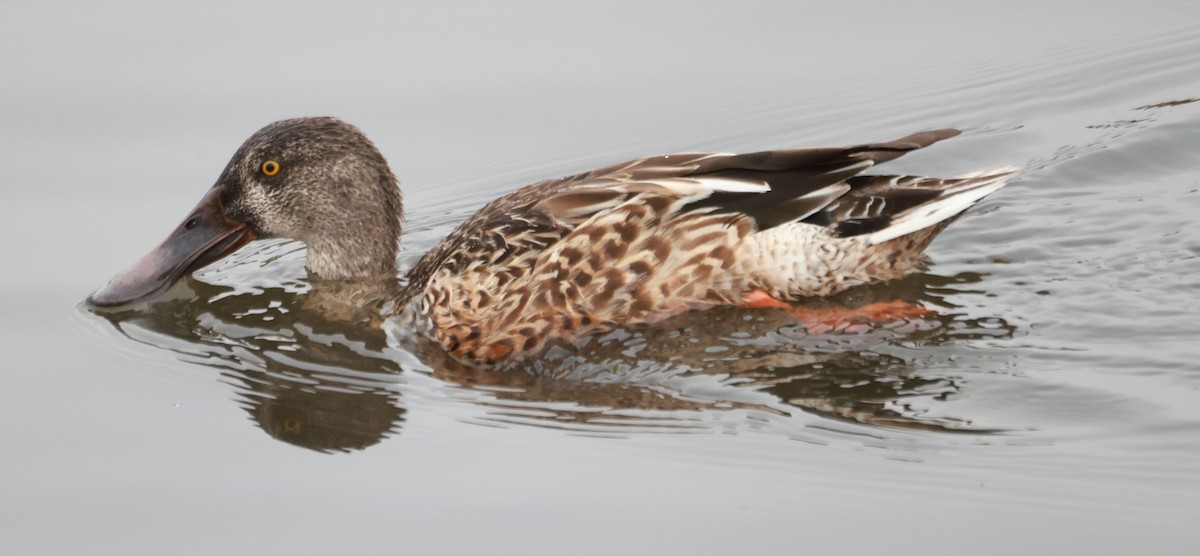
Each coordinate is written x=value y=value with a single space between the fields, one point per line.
x=270 y=168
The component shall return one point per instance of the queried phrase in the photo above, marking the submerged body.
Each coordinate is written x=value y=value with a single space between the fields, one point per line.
x=631 y=243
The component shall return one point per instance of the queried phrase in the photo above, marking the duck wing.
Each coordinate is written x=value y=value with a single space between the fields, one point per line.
x=770 y=187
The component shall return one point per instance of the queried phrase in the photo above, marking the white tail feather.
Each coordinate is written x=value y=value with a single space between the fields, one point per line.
x=954 y=201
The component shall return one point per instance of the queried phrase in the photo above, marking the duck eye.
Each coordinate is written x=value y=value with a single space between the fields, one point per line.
x=270 y=168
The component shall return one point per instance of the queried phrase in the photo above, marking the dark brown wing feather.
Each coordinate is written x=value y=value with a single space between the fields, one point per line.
x=803 y=181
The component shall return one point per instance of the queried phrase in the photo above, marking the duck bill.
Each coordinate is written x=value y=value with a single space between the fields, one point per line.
x=206 y=236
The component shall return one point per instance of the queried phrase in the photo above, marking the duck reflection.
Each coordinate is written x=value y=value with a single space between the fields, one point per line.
x=737 y=358
x=312 y=375
x=318 y=368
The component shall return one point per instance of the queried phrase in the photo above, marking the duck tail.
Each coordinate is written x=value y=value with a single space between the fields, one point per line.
x=958 y=195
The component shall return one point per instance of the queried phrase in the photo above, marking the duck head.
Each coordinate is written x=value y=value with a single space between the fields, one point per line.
x=317 y=180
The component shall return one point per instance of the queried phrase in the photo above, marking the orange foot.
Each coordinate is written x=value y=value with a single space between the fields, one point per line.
x=839 y=319
x=759 y=299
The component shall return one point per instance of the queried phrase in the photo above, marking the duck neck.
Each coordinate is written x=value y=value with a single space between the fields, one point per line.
x=354 y=301
x=350 y=258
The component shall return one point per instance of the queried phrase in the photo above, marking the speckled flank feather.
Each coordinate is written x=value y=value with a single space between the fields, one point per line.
x=644 y=240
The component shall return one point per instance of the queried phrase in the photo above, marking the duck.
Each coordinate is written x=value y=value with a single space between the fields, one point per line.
x=627 y=244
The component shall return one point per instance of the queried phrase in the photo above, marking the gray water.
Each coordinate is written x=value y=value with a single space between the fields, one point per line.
x=1050 y=405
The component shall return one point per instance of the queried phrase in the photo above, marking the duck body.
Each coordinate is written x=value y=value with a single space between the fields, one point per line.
x=626 y=244
x=648 y=239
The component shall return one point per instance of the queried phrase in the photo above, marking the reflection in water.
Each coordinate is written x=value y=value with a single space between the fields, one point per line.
x=736 y=358
x=316 y=376
x=319 y=414
x=318 y=383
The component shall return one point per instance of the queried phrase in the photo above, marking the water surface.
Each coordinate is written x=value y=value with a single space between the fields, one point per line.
x=1050 y=404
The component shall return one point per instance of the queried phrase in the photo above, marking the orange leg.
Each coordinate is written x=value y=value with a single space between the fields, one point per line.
x=758 y=299
x=838 y=319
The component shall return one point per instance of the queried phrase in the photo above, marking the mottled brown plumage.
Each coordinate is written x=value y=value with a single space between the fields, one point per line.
x=631 y=243
x=644 y=240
